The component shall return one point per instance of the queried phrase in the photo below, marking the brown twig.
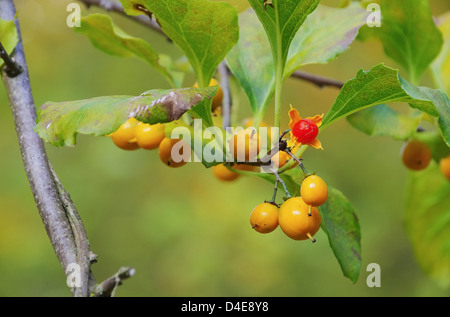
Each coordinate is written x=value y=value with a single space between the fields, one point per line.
x=319 y=81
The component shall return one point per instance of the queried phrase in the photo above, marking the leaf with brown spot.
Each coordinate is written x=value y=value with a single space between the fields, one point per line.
x=59 y=122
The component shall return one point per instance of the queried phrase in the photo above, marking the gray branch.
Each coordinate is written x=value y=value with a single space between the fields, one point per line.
x=226 y=102
x=59 y=215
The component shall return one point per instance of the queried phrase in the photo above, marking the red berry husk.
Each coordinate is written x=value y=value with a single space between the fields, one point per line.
x=305 y=131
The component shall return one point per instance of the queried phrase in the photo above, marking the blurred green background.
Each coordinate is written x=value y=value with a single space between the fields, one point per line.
x=185 y=232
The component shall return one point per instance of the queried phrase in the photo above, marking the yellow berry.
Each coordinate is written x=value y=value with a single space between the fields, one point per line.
x=149 y=136
x=444 y=165
x=124 y=136
x=416 y=155
x=314 y=190
x=264 y=218
x=295 y=221
x=166 y=155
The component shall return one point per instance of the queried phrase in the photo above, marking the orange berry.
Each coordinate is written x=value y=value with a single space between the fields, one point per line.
x=264 y=218
x=416 y=155
x=244 y=167
x=223 y=173
x=172 y=159
x=295 y=222
x=314 y=190
x=282 y=158
x=149 y=136
x=444 y=165
x=124 y=136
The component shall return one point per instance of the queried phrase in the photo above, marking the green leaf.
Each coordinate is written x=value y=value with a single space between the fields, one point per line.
x=409 y=35
x=382 y=120
x=326 y=33
x=8 y=36
x=281 y=21
x=251 y=62
x=383 y=84
x=203 y=110
x=427 y=221
x=205 y=31
x=59 y=122
x=109 y=38
x=239 y=4
x=442 y=104
x=341 y=224
x=439 y=67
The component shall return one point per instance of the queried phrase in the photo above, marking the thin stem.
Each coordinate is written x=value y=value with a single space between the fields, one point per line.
x=279 y=70
x=275 y=189
x=108 y=287
x=278 y=89
x=283 y=134
x=310 y=237
x=299 y=153
x=299 y=161
x=258 y=162
x=278 y=179
x=319 y=81
x=11 y=68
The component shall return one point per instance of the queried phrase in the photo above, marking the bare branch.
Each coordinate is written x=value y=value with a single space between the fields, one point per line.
x=84 y=255
x=319 y=81
x=58 y=214
x=108 y=287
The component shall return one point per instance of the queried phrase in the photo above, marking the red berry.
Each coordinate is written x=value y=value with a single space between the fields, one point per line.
x=305 y=131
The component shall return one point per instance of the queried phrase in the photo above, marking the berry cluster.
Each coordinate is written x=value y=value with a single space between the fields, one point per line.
x=134 y=134
x=298 y=217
